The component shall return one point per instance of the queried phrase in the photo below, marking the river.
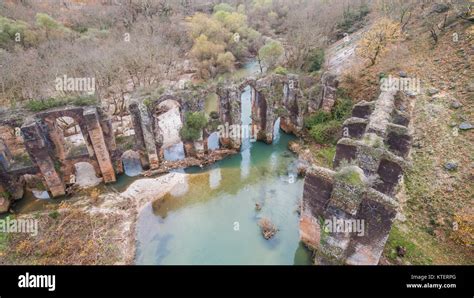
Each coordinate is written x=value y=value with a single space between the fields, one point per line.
x=213 y=218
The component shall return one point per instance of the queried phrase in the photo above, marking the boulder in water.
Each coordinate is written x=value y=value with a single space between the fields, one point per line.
x=268 y=228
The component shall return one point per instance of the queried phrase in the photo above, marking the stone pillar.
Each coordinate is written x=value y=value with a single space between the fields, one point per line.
x=40 y=154
x=137 y=127
x=87 y=139
x=230 y=112
x=107 y=129
x=148 y=136
x=4 y=177
x=100 y=148
x=329 y=91
x=57 y=137
x=263 y=118
x=144 y=136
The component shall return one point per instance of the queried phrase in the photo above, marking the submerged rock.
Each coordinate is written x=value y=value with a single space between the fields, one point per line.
x=268 y=228
x=131 y=163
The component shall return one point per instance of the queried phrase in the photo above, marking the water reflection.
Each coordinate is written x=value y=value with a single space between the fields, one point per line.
x=215 y=178
x=198 y=226
x=213 y=141
x=276 y=131
x=131 y=164
x=41 y=194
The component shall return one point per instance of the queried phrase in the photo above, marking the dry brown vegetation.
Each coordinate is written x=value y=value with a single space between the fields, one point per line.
x=68 y=236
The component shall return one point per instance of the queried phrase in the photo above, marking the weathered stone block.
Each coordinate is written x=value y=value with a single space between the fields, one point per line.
x=390 y=171
x=317 y=192
x=378 y=218
x=362 y=111
x=400 y=144
x=354 y=128
x=344 y=152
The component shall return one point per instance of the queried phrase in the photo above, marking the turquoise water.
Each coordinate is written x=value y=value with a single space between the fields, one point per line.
x=212 y=219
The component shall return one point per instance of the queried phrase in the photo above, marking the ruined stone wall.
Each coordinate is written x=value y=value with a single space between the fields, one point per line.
x=50 y=167
x=274 y=96
x=360 y=190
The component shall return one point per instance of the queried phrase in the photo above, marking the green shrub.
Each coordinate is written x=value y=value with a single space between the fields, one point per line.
x=317 y=118
x=214 y=115
x=325 y=156
x=316 y=60
x=9 y=29
x=41 y=105
x=193 y=126
x=342 y=109
x=54 y=214
x=147 y=102
x=349 y=176
x=323 y=126
x=82 y=101
x=326 y=133
x=281 y=70
x=49 y=103
x=223 y=7
x=190 y=134
x=44 y=20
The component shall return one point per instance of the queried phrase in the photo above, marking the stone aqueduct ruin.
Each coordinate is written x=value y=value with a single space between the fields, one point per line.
x=368 y=166
x=273 y=96
x=374 y=147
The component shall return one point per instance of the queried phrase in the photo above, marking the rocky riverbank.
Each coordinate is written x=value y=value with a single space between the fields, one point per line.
x=90 y=230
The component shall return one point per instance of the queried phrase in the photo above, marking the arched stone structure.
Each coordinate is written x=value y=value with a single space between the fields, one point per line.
x=44 y=143
x=273 y=96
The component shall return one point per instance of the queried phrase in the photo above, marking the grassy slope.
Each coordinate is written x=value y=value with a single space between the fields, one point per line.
x=433 y=196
